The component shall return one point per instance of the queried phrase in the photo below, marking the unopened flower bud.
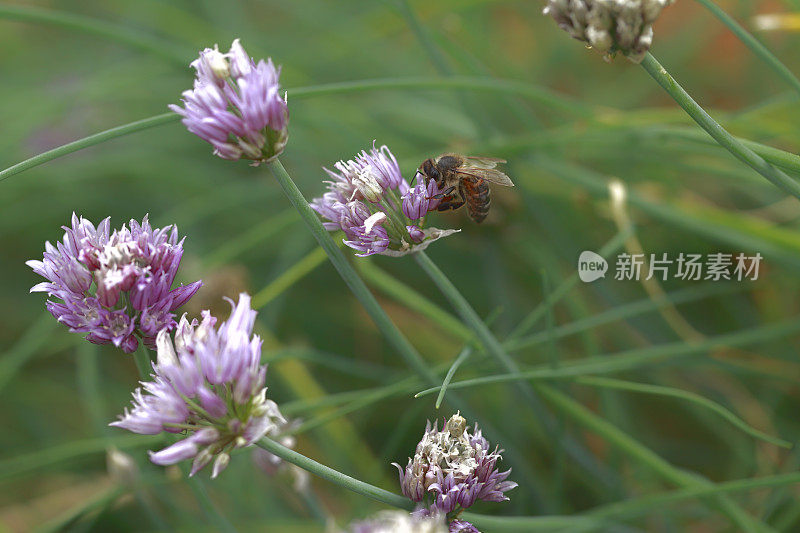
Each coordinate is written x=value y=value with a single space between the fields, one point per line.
x=456 y=425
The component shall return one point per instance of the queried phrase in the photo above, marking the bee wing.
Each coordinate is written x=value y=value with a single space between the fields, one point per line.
x=483 y=162
x=488 y=174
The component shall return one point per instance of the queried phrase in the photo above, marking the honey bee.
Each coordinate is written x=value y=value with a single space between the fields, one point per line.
x=463 y=180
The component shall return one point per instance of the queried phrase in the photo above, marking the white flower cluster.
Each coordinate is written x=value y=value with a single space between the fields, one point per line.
x=609 y=26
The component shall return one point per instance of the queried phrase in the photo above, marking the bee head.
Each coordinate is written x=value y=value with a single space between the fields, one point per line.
x=428 y=169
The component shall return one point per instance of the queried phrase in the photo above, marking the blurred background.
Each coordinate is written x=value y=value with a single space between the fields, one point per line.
x=566 y=121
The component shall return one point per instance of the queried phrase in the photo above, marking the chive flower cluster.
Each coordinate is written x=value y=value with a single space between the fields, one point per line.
x=609 y=26
x=378 y=211
x=453 y=468
x=236 y=105
x=208 y=383
x=114 y=286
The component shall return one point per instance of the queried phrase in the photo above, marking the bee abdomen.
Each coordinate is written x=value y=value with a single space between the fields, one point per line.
x=478 y=200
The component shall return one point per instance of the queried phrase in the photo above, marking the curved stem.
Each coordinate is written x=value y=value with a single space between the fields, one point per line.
x=755 y=46
x=776 y=156
x=86 y=142
x=725 y=139
x=334 y=476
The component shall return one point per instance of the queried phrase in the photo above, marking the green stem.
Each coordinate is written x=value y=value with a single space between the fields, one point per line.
x=390 y=332
x=761 y=51
x=412 y=358
x=86 y=142
x=776 y=156
x=646 y=388
x=466 y=312
x=334 y=476
x=463 y=356
x=88 y=377
x=289 y=277
x=563 y=289
x=744 y=154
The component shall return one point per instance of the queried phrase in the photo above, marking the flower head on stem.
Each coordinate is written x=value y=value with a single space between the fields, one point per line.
x=114 y=286
x=236 y=105
x=208 y=383
x=379 y=212
x=609 y=26
x=453 y=468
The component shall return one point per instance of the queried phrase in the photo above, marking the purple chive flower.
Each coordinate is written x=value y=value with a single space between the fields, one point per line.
x=452 y=469
x=420 y=199
x=114 y=286
x=236 y=105
x=400 y=522
x=210 y=383
x=378 y=211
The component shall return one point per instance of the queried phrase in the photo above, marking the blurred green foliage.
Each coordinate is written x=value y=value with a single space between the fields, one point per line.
x=63 y=83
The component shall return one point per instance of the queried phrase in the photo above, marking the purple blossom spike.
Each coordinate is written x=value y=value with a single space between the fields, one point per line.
x=210 y=383
x=378 y=211
x=114 y=286
x=236 y=105
x=452 y=469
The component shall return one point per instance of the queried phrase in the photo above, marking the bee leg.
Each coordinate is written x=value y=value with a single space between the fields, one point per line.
x=443 y=194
